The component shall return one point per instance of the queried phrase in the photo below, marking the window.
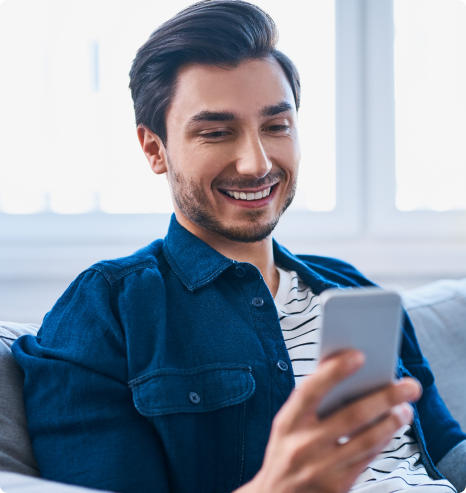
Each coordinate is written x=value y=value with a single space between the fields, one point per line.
x=68 y=125
x=382 y=128
x=430 y=102
x=416 y=154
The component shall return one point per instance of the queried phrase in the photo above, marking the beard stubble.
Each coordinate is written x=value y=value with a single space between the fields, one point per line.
x=193 y=203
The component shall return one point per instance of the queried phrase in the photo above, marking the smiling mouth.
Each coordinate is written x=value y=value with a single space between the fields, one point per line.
x=248 y=195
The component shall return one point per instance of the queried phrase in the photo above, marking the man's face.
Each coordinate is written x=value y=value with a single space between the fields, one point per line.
x=232 y=148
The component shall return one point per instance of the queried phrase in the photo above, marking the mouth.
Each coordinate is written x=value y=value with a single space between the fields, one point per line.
x=250 y=198
x=240 y=195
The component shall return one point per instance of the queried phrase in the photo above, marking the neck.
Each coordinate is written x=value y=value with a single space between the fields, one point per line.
x=259 y=254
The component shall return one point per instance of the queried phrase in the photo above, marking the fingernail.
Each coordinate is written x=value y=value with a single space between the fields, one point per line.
x=407 y=391
x=355 y=360
x=419 y=395
x=404 y=411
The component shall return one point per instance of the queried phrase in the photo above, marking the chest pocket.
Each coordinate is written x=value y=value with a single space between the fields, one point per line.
x=199 y=415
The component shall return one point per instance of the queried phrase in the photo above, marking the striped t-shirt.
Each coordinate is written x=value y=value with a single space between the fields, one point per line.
x=396 y=467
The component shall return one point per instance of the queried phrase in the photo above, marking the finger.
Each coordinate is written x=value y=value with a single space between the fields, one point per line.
x=305 y=400
x=350 y=474
x=330 y=474
x=365 y=411
x=370 y=442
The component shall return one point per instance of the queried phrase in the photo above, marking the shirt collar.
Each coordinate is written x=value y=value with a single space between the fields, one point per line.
x=194 y=262
x=198 y=264
x=313 y=279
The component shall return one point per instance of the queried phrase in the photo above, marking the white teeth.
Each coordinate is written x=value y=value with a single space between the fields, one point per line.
x=249 y=195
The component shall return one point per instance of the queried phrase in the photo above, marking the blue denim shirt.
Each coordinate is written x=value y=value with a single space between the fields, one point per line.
x=157 y=372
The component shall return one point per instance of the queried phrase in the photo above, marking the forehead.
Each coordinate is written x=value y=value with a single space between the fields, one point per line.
x=244 y=89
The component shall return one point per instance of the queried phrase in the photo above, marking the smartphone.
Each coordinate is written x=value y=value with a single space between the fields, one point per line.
x=366 y=319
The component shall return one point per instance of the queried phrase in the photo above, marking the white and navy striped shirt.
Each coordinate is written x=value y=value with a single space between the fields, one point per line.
x=396 y=467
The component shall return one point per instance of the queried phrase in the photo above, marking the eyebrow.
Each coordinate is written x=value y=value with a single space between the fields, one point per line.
x=275 y=109
x=228 y=116
x=212 y=116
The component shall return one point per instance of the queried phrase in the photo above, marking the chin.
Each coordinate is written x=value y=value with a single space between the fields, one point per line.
x=244 y=232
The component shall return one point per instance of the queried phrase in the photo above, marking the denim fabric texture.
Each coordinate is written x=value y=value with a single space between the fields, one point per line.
x=159 y=372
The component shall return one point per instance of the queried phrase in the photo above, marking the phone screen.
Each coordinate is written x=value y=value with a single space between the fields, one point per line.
x=366 y=319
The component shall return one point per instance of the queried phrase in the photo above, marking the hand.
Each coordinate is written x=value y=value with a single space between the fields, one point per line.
x=304 y=454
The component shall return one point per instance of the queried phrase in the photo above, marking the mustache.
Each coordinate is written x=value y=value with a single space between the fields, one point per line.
x=239 y=182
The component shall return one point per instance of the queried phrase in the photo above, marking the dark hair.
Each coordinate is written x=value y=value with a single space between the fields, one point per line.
x=211 y=32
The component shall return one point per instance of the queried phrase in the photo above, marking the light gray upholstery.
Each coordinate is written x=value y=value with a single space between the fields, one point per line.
x=438 y=313
x=17 y=483
x=15 y=447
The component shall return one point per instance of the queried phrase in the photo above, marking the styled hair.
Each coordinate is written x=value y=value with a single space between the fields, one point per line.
x=212 y=32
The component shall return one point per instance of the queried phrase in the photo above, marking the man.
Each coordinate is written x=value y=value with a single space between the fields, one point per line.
x=173 y=369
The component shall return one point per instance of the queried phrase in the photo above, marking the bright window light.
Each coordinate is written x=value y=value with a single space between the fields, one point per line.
x=430 y=99
x=67 y=130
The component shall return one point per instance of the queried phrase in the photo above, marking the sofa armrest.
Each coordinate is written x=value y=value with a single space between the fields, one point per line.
x=438 y=313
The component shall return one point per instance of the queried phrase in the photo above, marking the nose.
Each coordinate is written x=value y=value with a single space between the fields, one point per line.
x=252 y=159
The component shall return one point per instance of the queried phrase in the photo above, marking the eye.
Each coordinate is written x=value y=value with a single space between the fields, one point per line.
x=277 y=128
x=215 y=135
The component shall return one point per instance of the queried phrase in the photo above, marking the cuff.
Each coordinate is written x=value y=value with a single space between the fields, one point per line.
x=453 y=466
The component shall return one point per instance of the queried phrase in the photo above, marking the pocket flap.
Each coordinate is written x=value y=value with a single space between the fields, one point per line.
x=196 y=390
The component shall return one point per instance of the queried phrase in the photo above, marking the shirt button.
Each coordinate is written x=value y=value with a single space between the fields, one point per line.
x=257 y=302
x=194 y=398
x=282 y=365
x=240 y=271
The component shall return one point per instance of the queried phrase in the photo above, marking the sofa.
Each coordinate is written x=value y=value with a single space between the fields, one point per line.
x=438 y=312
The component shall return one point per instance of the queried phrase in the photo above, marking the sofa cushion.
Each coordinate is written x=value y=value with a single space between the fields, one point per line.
x=17 y=483
x=438 y=313
x=15 y=447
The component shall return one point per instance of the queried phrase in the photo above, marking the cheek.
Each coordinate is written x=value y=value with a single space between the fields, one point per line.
x=287 y=156
x=205 y=163
x=296 y=148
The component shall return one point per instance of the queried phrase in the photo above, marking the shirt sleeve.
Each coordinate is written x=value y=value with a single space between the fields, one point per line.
x=441 y=431
x=82 y=422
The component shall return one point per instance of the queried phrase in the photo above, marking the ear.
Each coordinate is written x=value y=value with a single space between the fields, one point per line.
x=154 y=149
